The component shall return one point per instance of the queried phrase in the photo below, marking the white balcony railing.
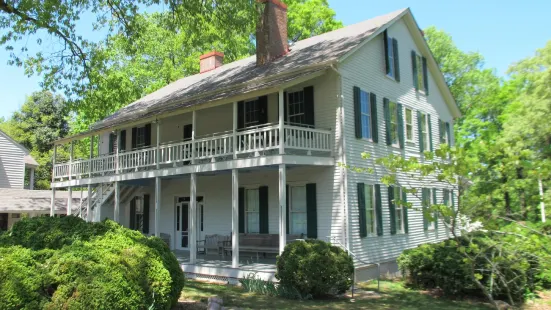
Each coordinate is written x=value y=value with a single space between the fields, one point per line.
x=218 y=147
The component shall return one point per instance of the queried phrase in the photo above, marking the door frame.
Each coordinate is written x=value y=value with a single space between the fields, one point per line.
x=175 y=202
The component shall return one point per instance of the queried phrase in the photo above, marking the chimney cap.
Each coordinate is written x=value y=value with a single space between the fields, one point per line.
x=276 y=2
x=209 y=54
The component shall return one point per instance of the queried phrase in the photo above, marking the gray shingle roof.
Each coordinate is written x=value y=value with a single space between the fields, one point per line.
x=235 y=78
x=24 y=200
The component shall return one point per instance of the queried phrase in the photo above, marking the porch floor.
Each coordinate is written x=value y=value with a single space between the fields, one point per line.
x=247 y=261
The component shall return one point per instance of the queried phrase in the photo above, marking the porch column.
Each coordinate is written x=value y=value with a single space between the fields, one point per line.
x=117 y=163
x=193 y=125
x=281 y=122
x=157 y=207
x=235 y=219
x=117 y=211
x=282 y=208
x=100 y=203
x=193 y=219
x=80 y=204
x=90 y=163
x=52 y=205
x=31 y=179
x=89 y=205
x=234 y=139
x=69 y=200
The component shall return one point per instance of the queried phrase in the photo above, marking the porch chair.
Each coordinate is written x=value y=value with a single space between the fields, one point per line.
x=211 y=242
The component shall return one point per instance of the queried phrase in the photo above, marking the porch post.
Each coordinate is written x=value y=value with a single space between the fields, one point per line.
x=90 y=162
x=235 y=219
x=234 y=138
x=158 y=150
x=80 y=204
x=31 y=179
x=89 y=205
x=69 y=200
x=157 y=207
x=281 y=123
x=193 y=149
x=193 y=219
x=52 y=205
x=282 y=207
x=117 y=211
x=100 y=203
x=117 y=164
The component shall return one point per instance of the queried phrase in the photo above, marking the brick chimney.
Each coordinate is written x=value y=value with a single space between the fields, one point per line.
x=271 y=32
x=210 y=61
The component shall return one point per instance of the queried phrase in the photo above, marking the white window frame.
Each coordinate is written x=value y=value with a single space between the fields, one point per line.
x=445 y=138
x=370 y=209
x=291 y=113
x=399 y=209
x=139 y=215
x=420 y=74
x=366 y=114
x=430 y=224
x=409 y=125
x=394 y=123
x=390 y=55
x=293 y=212
x=251 y=110
x=425 y=132
x=248 y=212
x=140 y=137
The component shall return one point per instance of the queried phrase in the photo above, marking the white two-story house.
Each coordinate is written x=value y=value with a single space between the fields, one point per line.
x=252 y=148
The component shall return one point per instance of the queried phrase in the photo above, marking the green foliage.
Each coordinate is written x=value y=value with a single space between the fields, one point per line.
x=315 y=268
x=254 y=284
x=87 y=266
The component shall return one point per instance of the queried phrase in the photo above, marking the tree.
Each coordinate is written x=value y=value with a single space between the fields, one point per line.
x=42 y=119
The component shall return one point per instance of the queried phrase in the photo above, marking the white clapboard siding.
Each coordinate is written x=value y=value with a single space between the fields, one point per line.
x=12 y=164
x=366 y=69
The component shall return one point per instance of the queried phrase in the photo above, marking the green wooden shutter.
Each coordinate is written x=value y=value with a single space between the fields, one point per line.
x=361 y=210
x=420 y=132
x=425 y=76
x=396 y=60
x=241 y=211
x=147 y=135
x=424 y=200
x=379 y=209
x=357 y=112
x=414 y=66
x=435 y=201
x=400 y=125
x=385 y=46
x=263 y=209
x=405 y=210
x=111 y=143
x=430 y=132
x=146 y=202
x=311 y=211
x=441 y=131
x=287 y=208
x=448 y=132
x=392 y=210
x=386 y=109
x=309 y=105
x=133 y=213
x=123 y=140
x=374 y=121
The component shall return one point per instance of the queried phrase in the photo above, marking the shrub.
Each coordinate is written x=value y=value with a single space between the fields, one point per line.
x=93 y=266
x=315 y=267
x=254 y=284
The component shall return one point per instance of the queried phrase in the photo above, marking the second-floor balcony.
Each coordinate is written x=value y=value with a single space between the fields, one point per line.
x=258 y=141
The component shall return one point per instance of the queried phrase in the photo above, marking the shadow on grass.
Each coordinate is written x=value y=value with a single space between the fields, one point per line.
x=393 y=295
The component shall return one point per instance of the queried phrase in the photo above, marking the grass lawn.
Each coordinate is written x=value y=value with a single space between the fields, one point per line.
x=393 y=295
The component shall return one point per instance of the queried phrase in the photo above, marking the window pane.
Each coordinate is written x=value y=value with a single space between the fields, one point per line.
x=393 y=122
x=390 y=57
x=252 y=223
x=296 y=107
x=369 y=209
x=298 y=223
x=366 y=114
x=298 y=198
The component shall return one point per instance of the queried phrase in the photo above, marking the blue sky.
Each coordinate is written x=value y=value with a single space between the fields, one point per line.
x=503 y=31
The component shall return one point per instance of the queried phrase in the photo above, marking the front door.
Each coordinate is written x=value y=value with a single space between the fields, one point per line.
x=182 y=226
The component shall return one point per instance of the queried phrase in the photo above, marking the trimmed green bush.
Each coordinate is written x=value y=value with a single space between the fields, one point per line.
x=90 y=266
x=315 y=268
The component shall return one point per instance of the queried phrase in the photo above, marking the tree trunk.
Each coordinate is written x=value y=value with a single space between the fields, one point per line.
x=522 y=196
x=507 y=199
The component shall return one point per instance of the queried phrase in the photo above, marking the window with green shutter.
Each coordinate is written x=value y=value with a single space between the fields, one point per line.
x=428 y=219
x=368 y=211
x=393 y=123
x=392 y=59
x=365 y=110
x=397 y=209
x=420 y=72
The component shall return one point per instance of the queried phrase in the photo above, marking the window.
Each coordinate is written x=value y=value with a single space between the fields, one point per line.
x=425 y=131
x=443 y=133
x=370 y=214
x=15 y=215
x=409 y=125
x=420 y=76
x=140 y=137
x=138 y=216
x=399 y=218
x=252 y=212
x=297 y=210
x=295 y=106
x=393 y=109
x=426 y=204
x=366 y=114
x=252 y=113
x=390 y=55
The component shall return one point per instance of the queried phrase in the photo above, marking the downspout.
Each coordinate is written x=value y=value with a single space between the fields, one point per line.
x=342 y=155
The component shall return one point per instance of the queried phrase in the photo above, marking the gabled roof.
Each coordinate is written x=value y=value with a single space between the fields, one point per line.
x=23 y=200
x=312 y=52
x=28 y=159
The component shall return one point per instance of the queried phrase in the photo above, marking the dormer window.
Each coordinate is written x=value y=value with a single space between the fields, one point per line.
x=392 y=63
